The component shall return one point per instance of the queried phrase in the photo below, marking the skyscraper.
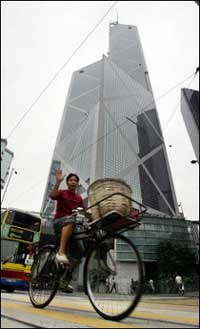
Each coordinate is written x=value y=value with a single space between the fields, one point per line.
x=190 y=112
x=110 y=126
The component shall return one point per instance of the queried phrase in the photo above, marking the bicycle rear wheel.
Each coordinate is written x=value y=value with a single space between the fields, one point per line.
x=44 y=278
x=113 y=256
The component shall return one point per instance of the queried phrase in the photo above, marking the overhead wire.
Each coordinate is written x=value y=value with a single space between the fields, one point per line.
x=51 y=81
x=58 y=72
x=111 y=131
x=55 y=76
x=177 y=105
x=126 y=121
x=28 y=190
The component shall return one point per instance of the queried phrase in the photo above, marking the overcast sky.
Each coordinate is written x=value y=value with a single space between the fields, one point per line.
x=38 y=37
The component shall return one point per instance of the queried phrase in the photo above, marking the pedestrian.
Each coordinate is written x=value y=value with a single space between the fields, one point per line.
x=179 y=284
x=113 y=285
x=152 y=287
x=132 y=286
x=182 y=289
x=30 y=255
x=107 y=285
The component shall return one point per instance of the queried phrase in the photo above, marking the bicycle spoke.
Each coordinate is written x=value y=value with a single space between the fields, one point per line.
x=109 y=268
x=44 y=281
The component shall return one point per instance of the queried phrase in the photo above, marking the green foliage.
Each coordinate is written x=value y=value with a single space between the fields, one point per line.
x=174 y=257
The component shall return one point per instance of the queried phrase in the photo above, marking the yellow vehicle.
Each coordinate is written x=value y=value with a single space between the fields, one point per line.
x=20 y=233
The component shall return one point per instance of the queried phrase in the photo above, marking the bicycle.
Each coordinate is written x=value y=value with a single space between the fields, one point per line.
x=108 y=253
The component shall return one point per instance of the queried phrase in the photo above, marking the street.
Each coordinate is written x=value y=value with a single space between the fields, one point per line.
x=75 y=311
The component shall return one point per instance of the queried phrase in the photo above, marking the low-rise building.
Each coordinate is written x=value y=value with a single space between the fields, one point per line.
x=6 y=160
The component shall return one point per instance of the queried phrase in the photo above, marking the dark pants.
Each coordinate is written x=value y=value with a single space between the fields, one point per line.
x=113 y=287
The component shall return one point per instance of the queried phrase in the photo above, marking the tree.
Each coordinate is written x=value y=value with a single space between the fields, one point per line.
x=174 y=257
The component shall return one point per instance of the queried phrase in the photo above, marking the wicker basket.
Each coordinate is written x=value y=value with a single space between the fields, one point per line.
x=116 y=204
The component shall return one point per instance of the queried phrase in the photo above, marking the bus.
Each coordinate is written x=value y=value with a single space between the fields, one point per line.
x=20 y=235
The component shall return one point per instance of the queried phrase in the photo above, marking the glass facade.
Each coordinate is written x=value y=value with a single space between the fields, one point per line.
x=155 y=229
x=190 y=112
x=110 y=126
x=192 y=97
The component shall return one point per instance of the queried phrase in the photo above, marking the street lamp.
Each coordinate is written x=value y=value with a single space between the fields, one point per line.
x=11 y=173
x=193 y=161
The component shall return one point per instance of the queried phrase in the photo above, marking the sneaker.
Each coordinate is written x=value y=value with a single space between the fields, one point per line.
x=65 y=287
x=62 y=259
x=69 y=288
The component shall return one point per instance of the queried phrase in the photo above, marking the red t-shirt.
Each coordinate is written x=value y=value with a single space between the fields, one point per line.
x=66 y=202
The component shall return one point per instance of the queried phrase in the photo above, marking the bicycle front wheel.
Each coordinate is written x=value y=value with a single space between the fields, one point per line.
x=108 y=270
x=44 y=280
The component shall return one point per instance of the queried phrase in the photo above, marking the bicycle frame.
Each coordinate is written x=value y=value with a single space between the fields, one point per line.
x=100 y=246
x=97 y=229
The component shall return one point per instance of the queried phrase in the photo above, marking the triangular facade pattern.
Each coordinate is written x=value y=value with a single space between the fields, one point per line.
x=110 y=126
